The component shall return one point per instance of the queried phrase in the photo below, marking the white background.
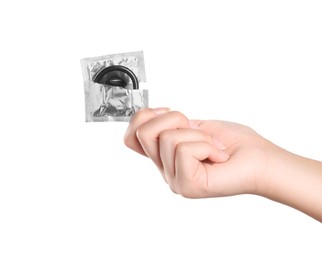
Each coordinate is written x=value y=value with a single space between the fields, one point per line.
x=72 y=190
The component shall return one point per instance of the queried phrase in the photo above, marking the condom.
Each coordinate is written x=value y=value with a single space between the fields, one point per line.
x=113 y=89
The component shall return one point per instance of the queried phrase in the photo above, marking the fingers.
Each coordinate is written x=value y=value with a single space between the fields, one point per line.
x=148 y=133
x=143 y=132
x=160 y=134
x=175 y=142
x=141 y=117
x=191 y=172
x=191 y=154
x=170 y=139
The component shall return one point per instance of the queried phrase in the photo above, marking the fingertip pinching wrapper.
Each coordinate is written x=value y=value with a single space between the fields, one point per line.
x=112 y=91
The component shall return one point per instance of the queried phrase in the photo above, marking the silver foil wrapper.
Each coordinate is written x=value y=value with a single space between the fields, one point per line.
x=114 y=103
x=110 y=103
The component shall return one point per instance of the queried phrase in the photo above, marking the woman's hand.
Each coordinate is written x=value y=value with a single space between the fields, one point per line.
x=199 y=158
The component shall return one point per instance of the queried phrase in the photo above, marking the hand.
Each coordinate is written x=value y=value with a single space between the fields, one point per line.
x=200 y=158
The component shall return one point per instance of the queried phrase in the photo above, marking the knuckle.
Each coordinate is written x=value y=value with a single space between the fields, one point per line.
x=128 y=138
x=191 y=186
x=179 y=116
x=126 y=141
x=140 y=113
x=141 y=116
x=205 y=137
x=166 y=136
x=140 y=133
x=182 y=149
x=187 y=187
x=173 y=189
x=191 y=190
x=188 y=192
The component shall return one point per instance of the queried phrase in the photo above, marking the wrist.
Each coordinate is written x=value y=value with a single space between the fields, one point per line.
x=293 y=180
x=272 y=175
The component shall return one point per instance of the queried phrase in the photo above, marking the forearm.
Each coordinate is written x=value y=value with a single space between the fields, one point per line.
x=295 y=181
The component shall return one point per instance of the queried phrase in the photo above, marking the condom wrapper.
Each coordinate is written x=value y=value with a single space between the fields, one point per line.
x=111 y=84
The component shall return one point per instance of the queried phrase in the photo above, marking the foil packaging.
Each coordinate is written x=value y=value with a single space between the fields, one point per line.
x=113 y=98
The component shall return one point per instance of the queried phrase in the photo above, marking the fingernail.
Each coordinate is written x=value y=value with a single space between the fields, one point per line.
x=219 y=144
x=161 y=110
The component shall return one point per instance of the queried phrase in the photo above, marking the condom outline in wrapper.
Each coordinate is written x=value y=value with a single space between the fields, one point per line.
x=111 y=85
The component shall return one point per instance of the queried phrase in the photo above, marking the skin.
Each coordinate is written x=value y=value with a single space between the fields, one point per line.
x=209 y=158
